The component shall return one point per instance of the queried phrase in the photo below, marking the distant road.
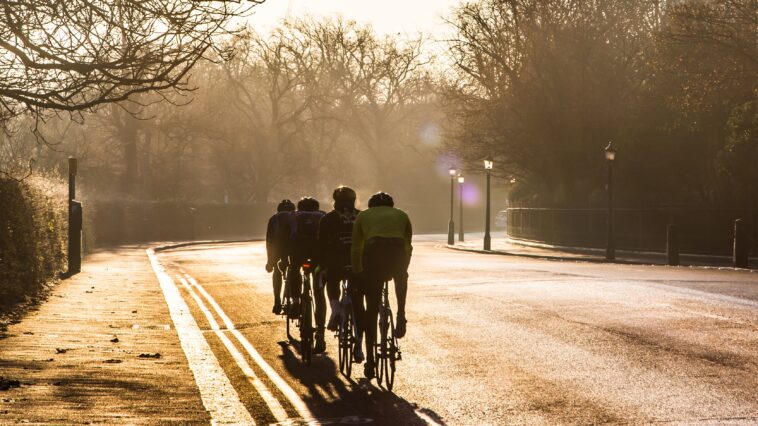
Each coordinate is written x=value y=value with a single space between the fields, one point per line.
x=492 y=340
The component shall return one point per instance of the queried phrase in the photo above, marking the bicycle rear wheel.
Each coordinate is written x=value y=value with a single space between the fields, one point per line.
x=389 y=361
x=346 y=344
x=306 y=331
x=380 y=357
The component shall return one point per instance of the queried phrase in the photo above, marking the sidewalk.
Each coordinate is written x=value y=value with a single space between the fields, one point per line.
x=101 y=349
x=505 y=246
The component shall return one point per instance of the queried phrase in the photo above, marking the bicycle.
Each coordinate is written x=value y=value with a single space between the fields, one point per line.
x=288 y=303
x=303 y=315
x=346 y=340
x=306 y=315
x=386 y=349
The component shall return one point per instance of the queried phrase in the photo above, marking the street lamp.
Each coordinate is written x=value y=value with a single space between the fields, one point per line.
x=460 y=199
x=488 y=163
x=610 y=248
x=451 y=224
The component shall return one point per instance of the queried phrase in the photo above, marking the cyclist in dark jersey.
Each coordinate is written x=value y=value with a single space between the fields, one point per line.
x=276 y=246
x=302 y=244
x=335 y=236
x=381 y=250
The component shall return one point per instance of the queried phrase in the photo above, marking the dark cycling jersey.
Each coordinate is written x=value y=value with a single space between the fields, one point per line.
x=335 y=236
x=277 y=236
x=303 y=234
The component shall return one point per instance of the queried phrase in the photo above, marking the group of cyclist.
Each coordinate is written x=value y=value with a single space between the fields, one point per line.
x=366 y=248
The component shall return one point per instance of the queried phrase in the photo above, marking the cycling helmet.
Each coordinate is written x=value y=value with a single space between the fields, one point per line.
x=308 y=204
x=381 y=199
x=343 y=193
x=285 y=206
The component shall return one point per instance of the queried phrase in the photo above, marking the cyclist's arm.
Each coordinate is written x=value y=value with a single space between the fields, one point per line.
x=408 y=236
x=271 y=246
x=356 y=247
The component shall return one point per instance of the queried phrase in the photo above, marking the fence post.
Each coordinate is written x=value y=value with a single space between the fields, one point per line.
x=672 y=245
x=741 y=248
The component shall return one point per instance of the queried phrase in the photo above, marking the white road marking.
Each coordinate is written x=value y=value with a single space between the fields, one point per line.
x=285 y=388
x=216 y=391
x=425 y=417
x=273 y=404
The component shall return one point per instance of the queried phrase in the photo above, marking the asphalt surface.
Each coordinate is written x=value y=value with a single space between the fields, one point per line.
x=507 y=340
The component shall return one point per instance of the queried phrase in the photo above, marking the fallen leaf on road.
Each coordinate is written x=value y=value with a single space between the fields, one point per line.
x=6 y=384
x=155 y=355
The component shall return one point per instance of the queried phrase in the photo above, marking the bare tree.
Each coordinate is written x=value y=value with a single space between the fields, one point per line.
x=77 y=54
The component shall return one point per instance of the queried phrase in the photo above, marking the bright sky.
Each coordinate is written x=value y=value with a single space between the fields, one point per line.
x=386 y=16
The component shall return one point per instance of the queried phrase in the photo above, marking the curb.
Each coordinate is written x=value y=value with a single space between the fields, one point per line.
x=591 y=260
x=172 y=246
x=547 y=256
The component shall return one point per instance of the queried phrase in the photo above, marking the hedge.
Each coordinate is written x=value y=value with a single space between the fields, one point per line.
x=33 y=234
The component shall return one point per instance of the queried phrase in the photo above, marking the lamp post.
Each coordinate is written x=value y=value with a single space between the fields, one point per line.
x=610 y=248
x=451 y=224
x=488 y=163
x=460 y=199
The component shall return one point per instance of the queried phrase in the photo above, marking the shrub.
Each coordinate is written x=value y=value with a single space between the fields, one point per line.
x=33 y=227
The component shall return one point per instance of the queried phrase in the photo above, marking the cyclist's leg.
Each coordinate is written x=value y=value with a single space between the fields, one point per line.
x=276 y=278
x=400 y=277
x=373 y=297
x=320 y=300
x=320 y=313
x=333 y=292
x=294 y=285
x=355 y=289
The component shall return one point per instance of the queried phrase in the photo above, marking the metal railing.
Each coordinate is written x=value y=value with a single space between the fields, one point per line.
x=701 y=230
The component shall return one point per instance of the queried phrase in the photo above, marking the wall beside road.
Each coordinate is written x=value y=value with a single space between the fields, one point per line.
x=33 y=233
x=701 y=230
x=125 y=222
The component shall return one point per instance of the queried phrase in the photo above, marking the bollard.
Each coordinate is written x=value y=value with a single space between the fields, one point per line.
x=672 y=245
x=75 y=237
x=741 y=247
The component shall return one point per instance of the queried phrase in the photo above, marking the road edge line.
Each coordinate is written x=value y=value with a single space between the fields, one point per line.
x=280 y=383
x=279 y=413
x=224 y=407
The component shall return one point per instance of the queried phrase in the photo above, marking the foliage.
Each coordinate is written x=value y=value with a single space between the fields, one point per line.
x=544 y=85
x=32 y=235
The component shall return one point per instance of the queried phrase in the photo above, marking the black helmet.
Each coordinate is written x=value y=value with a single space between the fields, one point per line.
x=285 y=206
x=381 y=199
x=307 y=204
x=344 y=193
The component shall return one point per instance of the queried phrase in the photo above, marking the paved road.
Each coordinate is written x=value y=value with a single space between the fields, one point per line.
x=498 y=340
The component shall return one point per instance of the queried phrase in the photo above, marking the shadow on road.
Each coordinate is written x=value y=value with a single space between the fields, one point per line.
x=329 y=397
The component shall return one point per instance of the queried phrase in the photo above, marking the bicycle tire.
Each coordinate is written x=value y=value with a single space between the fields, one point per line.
x=389 y=377
x=346 y=345
x=380 y=358
x=306 y=331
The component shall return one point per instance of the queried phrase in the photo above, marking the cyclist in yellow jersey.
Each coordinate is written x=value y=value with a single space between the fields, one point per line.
x=381 y=250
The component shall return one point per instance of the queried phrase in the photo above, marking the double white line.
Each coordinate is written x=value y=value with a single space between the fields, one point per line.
x=222 y=403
